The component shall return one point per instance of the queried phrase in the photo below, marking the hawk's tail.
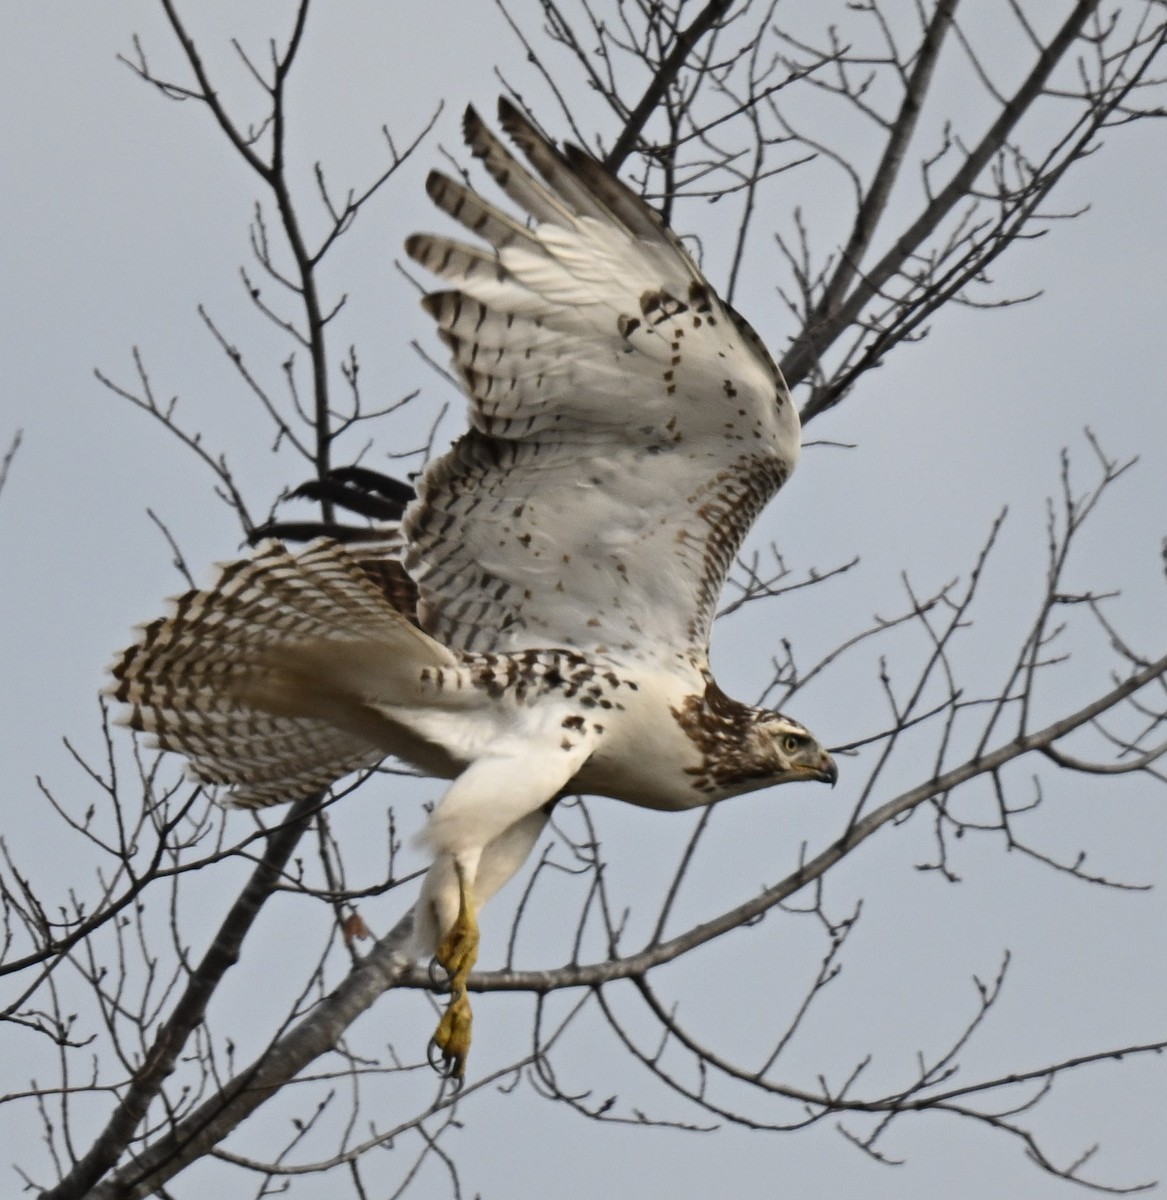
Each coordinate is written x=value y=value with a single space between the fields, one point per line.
x=264 y=679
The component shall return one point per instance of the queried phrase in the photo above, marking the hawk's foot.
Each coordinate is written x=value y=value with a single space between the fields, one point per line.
x=451 y=1041
x=457 y=953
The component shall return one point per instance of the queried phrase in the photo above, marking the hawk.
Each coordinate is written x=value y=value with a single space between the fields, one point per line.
x=537 y=623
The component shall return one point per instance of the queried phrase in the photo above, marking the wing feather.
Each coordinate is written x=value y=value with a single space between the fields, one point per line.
x=627 y=426
x=222 y=677
x=530 y=195
x=552 y=166
x=470 y=210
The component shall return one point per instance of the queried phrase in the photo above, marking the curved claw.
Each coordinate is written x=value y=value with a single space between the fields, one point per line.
x=440 y=975
x=451 y=1040
x=441 y=1064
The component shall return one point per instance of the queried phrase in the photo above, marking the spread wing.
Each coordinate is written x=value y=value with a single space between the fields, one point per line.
x=627 y=426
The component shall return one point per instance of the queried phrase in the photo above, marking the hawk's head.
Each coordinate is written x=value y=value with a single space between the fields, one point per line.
x=790 y=751
x=743 y=748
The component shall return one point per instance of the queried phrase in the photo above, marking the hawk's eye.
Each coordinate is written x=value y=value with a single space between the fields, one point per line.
x=791 y=743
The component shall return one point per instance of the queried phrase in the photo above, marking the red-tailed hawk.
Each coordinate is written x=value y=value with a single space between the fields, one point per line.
x=538 y=622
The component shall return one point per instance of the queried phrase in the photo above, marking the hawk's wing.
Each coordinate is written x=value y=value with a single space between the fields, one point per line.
x=626 y=425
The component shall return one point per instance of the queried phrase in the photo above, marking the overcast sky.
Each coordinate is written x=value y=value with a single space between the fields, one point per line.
x=122 y=212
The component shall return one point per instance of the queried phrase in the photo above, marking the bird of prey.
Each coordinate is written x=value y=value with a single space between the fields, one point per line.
x=537 y=623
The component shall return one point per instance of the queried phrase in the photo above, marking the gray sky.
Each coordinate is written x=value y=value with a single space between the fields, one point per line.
x=122 y=212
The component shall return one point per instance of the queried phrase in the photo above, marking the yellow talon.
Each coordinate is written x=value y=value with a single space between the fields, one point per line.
x=452 y=1037
x=457 y=953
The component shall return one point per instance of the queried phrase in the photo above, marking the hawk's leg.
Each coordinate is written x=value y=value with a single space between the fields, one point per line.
x=457 y=953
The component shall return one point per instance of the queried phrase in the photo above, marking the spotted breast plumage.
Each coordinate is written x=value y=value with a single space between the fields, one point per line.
x=538 y=621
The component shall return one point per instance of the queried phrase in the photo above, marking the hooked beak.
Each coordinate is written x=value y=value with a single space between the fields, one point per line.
x=825 y=770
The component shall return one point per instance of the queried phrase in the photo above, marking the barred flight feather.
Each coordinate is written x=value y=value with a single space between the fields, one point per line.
x=194 y=677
